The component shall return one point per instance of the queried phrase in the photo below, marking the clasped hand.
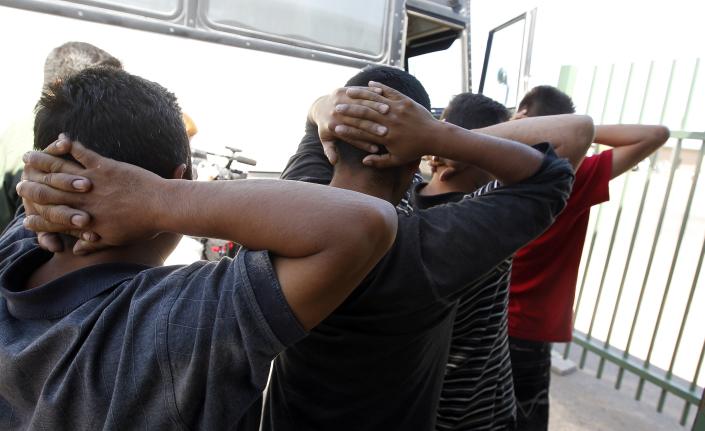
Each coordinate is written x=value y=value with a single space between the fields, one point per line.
x=367 y=117
x=98 y=200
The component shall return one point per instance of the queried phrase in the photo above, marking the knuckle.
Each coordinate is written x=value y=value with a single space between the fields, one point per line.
x=55 y=165
x=40 y=195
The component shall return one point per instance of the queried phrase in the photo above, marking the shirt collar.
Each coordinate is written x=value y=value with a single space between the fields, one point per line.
x=422 y=201
x=63 y=295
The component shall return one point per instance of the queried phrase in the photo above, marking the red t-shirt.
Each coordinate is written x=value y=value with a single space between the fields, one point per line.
x=545 y=272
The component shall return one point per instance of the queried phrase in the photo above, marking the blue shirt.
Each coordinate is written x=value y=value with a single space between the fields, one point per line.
x=127 y=347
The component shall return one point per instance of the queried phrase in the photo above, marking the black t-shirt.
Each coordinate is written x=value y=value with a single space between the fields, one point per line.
x=377 y=362
x=478 y=392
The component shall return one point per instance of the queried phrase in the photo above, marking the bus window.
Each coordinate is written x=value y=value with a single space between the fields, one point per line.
x=441 y=72
x=357 y=26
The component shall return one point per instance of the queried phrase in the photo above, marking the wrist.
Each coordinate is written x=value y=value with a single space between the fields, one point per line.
x=444 y=137
x=168 y=202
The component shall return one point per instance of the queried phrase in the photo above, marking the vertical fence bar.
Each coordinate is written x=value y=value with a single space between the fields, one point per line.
x=676 y=253
x=583 y=355
x=566 y=352
x=669 y=373
x=694 y=382
x=657 y=236
x=618 y=217
x=699 y=424
x=652 y=161
x=630 y=338
x=637 y=223
x=693 y=385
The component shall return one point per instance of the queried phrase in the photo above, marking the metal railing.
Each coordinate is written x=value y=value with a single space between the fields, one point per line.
x=650 y=276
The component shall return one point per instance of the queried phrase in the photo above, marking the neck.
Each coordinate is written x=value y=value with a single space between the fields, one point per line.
x=437 y=186
x=149 y=253
x=362 y=183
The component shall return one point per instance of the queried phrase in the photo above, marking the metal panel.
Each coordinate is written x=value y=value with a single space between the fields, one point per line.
x=194 y=29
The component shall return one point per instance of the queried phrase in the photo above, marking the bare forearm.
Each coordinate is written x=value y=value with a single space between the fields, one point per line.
x=570 y=135
x=507 y=160
x=288 y=218
x=622 y=135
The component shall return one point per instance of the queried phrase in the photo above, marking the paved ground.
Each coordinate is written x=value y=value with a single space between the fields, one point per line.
x=581 y=402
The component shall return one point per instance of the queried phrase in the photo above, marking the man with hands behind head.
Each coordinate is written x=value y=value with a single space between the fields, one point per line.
x=545 y=272
x=377 y=362
x=113 y=340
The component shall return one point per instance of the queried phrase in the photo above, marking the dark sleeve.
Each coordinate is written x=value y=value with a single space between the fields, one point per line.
x=309 y=161
x=461 y=241
x=227 y=323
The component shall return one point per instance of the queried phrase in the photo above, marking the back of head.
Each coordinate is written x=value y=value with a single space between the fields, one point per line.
x=546 y=100
x=392 y=77
x=117 y=115
x=474 y=111
x=73 y=57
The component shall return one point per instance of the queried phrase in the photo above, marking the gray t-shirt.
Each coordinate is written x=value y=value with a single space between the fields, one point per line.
x=126 y=347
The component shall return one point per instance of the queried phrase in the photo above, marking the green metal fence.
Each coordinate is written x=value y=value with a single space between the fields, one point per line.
x=619 y=279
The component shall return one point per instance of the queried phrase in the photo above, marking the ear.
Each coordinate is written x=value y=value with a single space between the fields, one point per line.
x=182 y=172
x=519 y=115
x=448 y=173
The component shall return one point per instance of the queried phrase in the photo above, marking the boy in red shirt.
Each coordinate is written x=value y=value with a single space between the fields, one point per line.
x=545 y=272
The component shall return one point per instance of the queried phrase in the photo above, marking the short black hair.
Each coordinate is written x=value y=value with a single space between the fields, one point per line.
x=118 y=115
x=473 y=111
x=397 y=79
x=546 y=100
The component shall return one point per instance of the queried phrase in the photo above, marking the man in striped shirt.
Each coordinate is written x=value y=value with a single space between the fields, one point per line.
x=477 y=389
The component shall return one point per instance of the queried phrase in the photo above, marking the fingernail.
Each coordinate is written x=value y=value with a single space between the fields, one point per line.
x=25 y=157
x=62 y=136
x=374 y=148
x=61 y=144
x=87 y=236
x=79 y=184
x=340 y=108
x=78 y=220
x=339 y=129
x=19 y=185
x=384 y=108
x=381 y=130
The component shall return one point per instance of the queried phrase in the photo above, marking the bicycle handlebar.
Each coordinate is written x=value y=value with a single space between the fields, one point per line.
x=245 y=160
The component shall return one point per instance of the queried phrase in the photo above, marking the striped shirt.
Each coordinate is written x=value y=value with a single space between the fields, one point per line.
x=477 y=389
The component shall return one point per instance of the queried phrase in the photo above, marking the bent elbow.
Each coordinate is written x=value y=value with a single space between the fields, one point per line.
x=661 y=135
x=586 y=132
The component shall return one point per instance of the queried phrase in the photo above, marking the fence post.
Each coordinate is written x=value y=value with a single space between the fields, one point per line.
x=699 y=424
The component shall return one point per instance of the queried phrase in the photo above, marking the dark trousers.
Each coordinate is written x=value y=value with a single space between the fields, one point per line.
x=531 y=368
